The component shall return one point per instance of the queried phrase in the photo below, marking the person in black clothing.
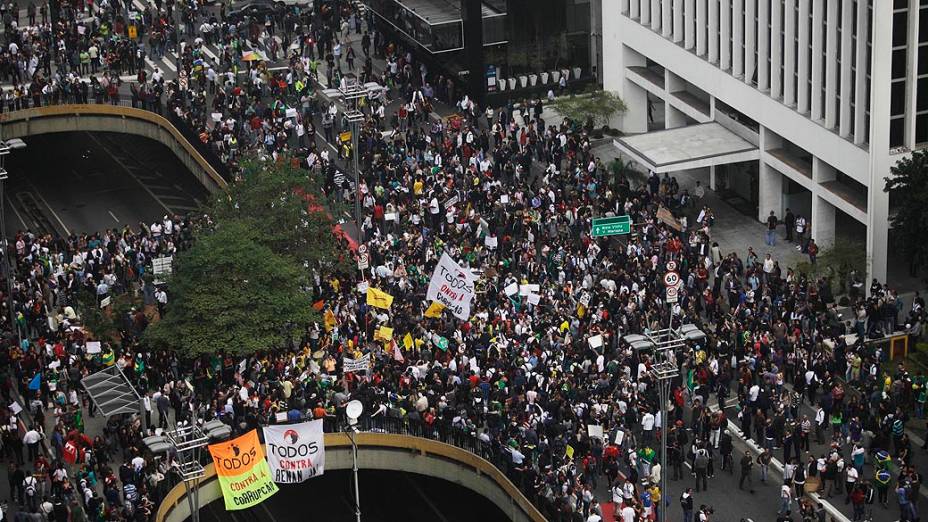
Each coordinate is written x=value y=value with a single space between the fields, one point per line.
x=747 y=463
x=789 y=221
x=725 y=449
x=17 y=490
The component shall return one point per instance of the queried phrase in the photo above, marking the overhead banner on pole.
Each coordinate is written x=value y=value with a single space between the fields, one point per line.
x=244 y=476
x=452 y=286
x=295 y=452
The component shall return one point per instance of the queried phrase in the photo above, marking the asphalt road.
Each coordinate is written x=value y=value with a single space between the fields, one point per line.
x=76 y=182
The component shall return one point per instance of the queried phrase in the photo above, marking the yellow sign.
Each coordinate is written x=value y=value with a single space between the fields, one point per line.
x=133 y=32
x=384 y=333
x=244 y=476
x=434 y=310
x=407 y=341
x=379 y=298
x=345 y=137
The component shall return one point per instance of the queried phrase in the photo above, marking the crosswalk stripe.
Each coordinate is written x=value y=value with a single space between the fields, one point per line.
x=168 y=63
x=210 y=53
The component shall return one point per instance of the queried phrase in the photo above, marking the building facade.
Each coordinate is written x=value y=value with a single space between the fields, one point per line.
x=494 y=48
x=829 y=94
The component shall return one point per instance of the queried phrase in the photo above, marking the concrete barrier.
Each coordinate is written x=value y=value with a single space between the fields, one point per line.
x=383 y=451
x=111 y=118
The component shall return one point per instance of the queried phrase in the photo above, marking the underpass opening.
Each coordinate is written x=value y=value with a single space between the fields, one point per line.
x=72 y=183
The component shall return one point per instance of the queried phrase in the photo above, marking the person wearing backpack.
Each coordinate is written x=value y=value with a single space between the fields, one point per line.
x=686 y=502
x=31 y=486
x=700 y=467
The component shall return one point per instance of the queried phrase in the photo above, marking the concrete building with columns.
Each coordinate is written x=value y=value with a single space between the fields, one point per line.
x=800 y=104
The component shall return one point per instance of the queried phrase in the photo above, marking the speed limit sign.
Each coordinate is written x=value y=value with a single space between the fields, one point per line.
x=671 y=279
x=362 y=249
x=672 y=294
x=671 y=266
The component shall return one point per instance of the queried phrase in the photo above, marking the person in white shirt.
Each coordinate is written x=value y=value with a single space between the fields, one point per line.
x=628 y=514
x=647 y=426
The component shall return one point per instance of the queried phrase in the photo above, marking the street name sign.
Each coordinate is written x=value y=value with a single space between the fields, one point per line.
x=612 y=226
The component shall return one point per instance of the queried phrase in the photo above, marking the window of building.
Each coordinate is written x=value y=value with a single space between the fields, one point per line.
x=897 y=131
x=921 y=128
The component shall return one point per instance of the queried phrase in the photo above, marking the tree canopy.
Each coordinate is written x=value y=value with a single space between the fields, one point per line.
x=596 y=107
x=245 y=283
x=908 y=189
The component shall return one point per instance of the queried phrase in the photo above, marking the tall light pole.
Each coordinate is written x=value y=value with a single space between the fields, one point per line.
x=664 y=373
x=5 y=148
x=353 y=410
x=351 y=92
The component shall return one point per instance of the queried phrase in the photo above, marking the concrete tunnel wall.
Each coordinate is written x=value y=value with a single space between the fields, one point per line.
x=389 y=453
x=111 y=118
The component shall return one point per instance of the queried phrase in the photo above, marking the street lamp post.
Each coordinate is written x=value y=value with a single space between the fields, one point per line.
x=664 y=373
x=353 y=410
x=5 y=148
x=351 y=93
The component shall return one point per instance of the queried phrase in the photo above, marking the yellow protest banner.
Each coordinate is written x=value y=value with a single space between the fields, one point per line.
x=570 y=451
x=407 y=341
x=434 y=310
x=384 y=333
x=244 y=475
x=564 y=326
x=379 y=298
x=328 y=320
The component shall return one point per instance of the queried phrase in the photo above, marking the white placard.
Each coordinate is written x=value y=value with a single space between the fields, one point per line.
x=105 y=301
x=595 y=431
x=295 y=452
x=534 y=299
x=93 y=347
x=451 y=201
x=619 y=437
x=15 y=408
x=596 y=341
x=452 y=286
x=357 y=365
x=391 y=216
x=504 y=198
x=585 y=299
x=363 y=286
x=291 y=113
x=511 y=289
x=491 y=242
x=280 y=416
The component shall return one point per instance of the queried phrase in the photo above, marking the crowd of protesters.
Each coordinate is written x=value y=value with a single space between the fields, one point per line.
x=503 y=192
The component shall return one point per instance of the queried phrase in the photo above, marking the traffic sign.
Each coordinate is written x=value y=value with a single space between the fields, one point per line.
x=671 y=279
x=673 y=295
x=612 y=226
x=364 y=261
x=671 y=266
x=362 y=249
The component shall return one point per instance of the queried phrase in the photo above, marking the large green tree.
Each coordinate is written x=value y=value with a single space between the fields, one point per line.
x=287 y=209
x=908 y=189
x=231 y=293
x=590 y=109
x=243 y=286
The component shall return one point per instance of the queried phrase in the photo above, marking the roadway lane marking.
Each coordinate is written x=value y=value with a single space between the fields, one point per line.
x=67 y=232
x=113 y=216
x=129 y=172
x=210 y=53
x=138 y=5
x=171 y=66
x=18 y=215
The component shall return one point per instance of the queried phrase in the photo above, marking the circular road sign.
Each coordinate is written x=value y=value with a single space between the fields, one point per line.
x=671 y=279
x=671 y=266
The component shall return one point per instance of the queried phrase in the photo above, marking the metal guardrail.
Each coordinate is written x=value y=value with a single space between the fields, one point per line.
x=439 y=439
x=124 y=110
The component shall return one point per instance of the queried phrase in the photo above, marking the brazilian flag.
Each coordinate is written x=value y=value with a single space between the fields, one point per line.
x=108 y=358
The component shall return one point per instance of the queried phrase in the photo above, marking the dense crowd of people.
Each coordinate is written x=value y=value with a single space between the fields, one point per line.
x=503 y=192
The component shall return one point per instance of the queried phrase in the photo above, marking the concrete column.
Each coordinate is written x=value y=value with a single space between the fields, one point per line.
x=750 y=40
x=911 y=82
x=712 y=178
x=831 y=66
x=823 y=222
x=666 y=18
x=776 y=50
x=673 y=118
x=847 y=50
x=634 y=10
x=677 y=21
x=878 y=199
x=725 y=37
x=789 y=53
x=770 y=181
x=802 y=88
x=713 y=31
x=623 y=7
x=689 y=24
x=737 y=40
x=763 y=44
x=635 y=119
x=700 y=27
x=644 y=9
x=818 y=33
x=656 y=15
x=861 y=132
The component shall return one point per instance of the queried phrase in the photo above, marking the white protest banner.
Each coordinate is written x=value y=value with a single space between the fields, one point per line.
x=511 y=289
x=534 y=299
x=596 y=341
x=295 y=452
x=595 y=431
x=357 y=365
x=452 y=286
x=15 y=408
x=93 y=347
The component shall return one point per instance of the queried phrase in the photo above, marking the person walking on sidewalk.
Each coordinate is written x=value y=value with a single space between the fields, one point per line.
x=747 y=463
x=771 y=235
x=700 y=467
x=686 y=503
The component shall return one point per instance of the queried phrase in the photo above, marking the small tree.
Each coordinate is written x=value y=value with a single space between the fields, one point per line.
x=908 y=188
x=591 y=109
x=231 y=293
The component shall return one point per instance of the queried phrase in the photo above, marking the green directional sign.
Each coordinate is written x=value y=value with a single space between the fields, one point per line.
x=612 y=226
